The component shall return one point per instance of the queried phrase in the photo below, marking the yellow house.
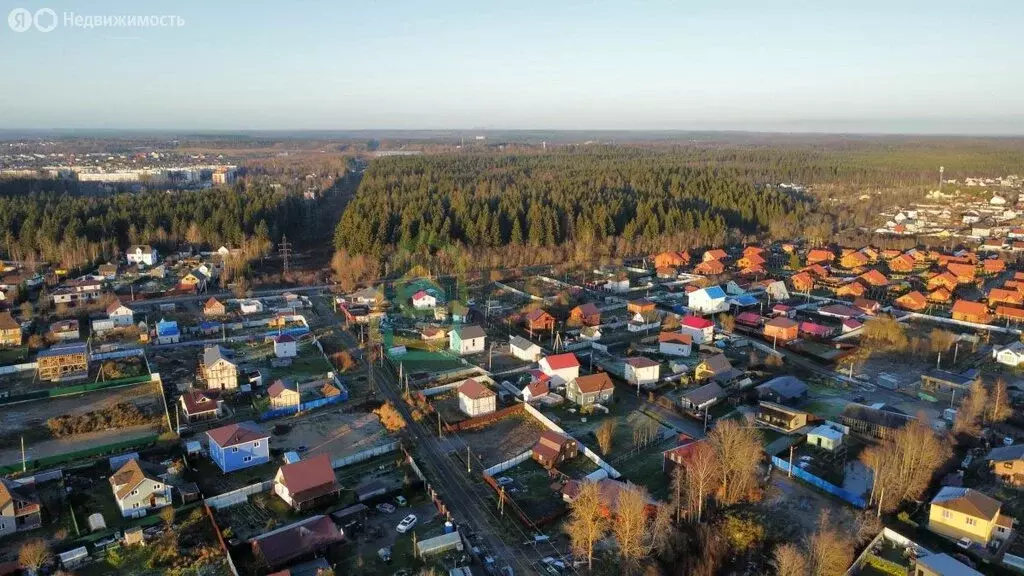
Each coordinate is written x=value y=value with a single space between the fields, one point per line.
x=965 y=513
x=10 y=330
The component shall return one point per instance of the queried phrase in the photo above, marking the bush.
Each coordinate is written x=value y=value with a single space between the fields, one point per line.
x=119 y=415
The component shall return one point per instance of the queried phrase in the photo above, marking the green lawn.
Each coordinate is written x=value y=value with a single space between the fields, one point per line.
x=13 y=355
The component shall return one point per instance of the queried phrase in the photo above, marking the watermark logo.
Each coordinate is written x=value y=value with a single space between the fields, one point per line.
x=46 y=20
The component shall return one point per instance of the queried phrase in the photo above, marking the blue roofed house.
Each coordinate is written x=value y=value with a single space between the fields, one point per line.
x=167 y=332
x=711 y=300
x=237 y=446
x=743 y=301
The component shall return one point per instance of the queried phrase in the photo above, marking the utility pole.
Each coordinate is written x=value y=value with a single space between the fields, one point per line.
x=24 y=462
x=469 y=463
x=285 y=249
x=791 y=461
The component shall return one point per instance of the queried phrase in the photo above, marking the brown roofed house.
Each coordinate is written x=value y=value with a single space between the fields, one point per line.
x=553 y=448
x=307 y=483
x=585 y=390
x=585 y=314
x=214 y=307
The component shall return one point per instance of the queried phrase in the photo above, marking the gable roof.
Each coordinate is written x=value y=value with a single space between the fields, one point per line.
x=7 y=322
x=785 y=386
x=279 y=546
x=594 y=383
x=588 y=309
x=13 y=491
x=196 y=402
x=214 y=354
x=114 y=306
x=562 y=361
x=704 y=394
x=969 y=308
x=308 y=474
x=127 y=478
x=967 y=501
x=521 y=343
x=475 y=390
x=696 y=322
x=641 y=362
x=675 y=337
x=238 y=433
x=1003 y=453
x=469 y=332
x=712 y=292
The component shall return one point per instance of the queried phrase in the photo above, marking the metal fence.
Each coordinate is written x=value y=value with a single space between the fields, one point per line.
x=502 y=466
x=305 y=406
x=821 y=484
x=590 y=454
x=365 y=454
x=115 y=447
x=238 y=496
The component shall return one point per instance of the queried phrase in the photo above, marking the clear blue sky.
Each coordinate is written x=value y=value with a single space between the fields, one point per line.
x=824 y=65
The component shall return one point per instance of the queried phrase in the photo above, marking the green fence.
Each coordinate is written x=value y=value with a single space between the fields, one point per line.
x=75 y=389
x=113 y=448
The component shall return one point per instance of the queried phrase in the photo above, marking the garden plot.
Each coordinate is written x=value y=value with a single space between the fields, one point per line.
x=534 y=489
x=503 y=439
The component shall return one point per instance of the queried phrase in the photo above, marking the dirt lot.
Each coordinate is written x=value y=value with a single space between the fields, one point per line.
x=330 y=432
x=503 y=439
x=792 y=508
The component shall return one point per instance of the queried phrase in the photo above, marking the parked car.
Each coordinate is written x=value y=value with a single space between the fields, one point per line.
x=401 y=501
x=504 y=481
x=964 y=543
x=1007 y=440
x=385 y=508
x=406 y=524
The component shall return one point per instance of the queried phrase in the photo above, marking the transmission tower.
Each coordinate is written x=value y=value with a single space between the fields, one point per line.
x=285 y=250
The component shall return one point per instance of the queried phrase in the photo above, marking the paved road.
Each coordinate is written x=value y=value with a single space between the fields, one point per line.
x=457 y=492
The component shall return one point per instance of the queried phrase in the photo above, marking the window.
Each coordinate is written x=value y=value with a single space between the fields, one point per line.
x=247 y=458
x=135 y=492
x=947 y=514
x=256 y=444
x=135 y=505
x=971 y=521
x=234 y=449
x=1008 y=465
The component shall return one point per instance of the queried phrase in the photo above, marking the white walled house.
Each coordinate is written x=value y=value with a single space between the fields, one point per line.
x=641 y=371
x=825 y=437
x=701 y=330
x=467 y=339
x=711 y=300
x=143 y=254
x=1012 y=355
x=523 y=349
x=285 y=346
x=136 y=493
x=120 y=314
x=675 y=343
x=422 y=301
x=250 y=306
x=475 y=399
x=561 y=368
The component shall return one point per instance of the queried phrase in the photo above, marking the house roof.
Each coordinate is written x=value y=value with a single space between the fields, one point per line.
x=1003 y=453
x=969 y=308
x=283 y=338
x=785 y=386
x=212 y=303
x=717 y=364
x=279 y=546
x=588 y=309
x=874 y=277
x=214 y=354
x=815 y=329
x=967 y=501
x=114 y=306
x=538 y=388
x=127 y=478
x=641 y=362
x=537 y=314
x=234 y=434
x=594 y=383
x=562 y=361
x=475 y=390
x=63 y=349
x=11 y=490
x=840 y=310
x=712 y=292
x=675 y=337
x=280 y=386
x=1009 y=312
x=521 y=343
x=197 y=402
x=420 y=295
x=469 y=332
x=781 y=323
x=308 y=474
x=912 y=300
x=704 y=394
x=826 y=431
x=696 y=322
x=946 y=565
x=885 y=418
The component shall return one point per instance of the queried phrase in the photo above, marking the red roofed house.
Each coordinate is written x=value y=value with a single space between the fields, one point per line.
x=681 y=454
x=751 y=319
x=781 y=329
x=671 y=260
x=819 y=256
x=214 y=307
x=561 y=368
x=854 y=260
x=714 y=254
x=816 y=270
x=675 y=343
x=802 y=282
x=913 y=301
x=967 y=311
x=198 y=406
x=964 y=273
x=537 y=320
x=874 y=278
x=307 y=483
x=1009 y=313
x=816 y=330
x=553 y=448
x=700 y=329
x=585 y=314
x=902 y=263
x=421 y=300
x=710 y=267
x=854 y=289
x=589 y=389
x=993 y=266
x=475 y=399
x=305 y=537
x=1002 y=296
x=750 y=260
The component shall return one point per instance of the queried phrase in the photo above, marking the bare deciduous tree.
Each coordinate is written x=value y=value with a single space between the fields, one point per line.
x=739 y=451
x=604 y=434
x=587 y=524
x=829 y=549
x=903 y=465
x=33 y=554
x=999 y=408
x=789 y=560
x=703 y=470
x=971 y=411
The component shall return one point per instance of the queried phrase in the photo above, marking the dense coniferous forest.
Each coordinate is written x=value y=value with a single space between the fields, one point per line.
x=53 y=220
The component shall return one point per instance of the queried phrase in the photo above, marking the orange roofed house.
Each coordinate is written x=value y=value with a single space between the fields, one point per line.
x=854 y=260
x=819 y=256
x=714 y=254
x=586 y=314
x=710 y=267
x=913 y=301
x=874 y=278
x=945 y=280
x=967 y=311
x=1003 y=296
x=964 y=273
x=671 y=260
x=537 y=320
x=781 y=329
x=553 y=448
x=802 y=282
x=902 y=263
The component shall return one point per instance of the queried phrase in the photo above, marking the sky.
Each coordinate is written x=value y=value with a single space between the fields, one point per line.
x=895 y=66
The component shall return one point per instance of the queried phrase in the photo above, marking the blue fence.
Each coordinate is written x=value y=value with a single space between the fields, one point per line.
x=305 y=406
x=819 y=483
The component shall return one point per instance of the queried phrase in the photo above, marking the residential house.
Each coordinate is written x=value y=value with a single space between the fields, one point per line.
x=714 y=254
x=849 y=325
x=19 y=507
x=874 y=278
x=1010 y=314
x=802 y=282
x=913 y=301
x=62 y=330
x=195 y=280
x=136 y=492
x=819 y=256
x=142 y=254
x=369 y=296
x=644 y=322
x=702 y=398
x=776 y=290
x=537 y=320
x=307 y=483
x=967 y=311
x=827 y=436
x=867 y=306
x=10 y=330
x=964 y=273
x=284 y=393
x=957 y=513
x=422 y=300
x=108 y=271
x=783 y=310
x=467 y=339
x=218 y=369
x=167 y=332
x=946 y=382
x=717 y=368
x=944 y=280
x=63 y=362
x=592 y=333
x=902 y=264
x=250 y=306
x=1007 y=464
x=681 y=454
x=870 y=422
x=214 y=308
x=554 y=448
x=120 y=314
x=586 y=390
x=199 y=406
x=750 y=261
x=537 y=388
x=853 y=260
x=1003 y=296
x=815 y=330
x=840 y=311
x=701 y=330
x=585 y=314
x=433 y=333
x=675 y=343
x=640 y=306
x=749 y=319
x=77 y=291
x=788 y=390
x=561 y=368
x=711 y=300
x=781 y=417
x=1011 y=355
x=642 y=371
x=239 y=445
x=851 y=289
x=671 y=260
x=709 y=268
x=941 y=565
x=523 y=349
x=781 y=329
x=994 y=265
x=306 y=537
x=285 y=346
x=940 y=296
x=475 y=399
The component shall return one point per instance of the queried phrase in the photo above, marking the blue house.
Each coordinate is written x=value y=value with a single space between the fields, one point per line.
x=238 y=446
x=167 y=332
